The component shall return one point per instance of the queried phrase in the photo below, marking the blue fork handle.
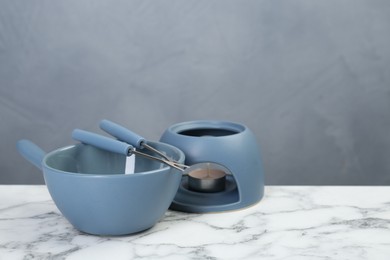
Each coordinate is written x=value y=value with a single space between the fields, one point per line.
x=128 y=136
x=102 y=142
x=122 y=133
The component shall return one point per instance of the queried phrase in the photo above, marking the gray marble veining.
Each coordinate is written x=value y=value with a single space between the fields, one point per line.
x=291 y=222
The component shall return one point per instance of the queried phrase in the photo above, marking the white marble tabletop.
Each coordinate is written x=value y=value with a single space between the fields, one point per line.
x=291 y=222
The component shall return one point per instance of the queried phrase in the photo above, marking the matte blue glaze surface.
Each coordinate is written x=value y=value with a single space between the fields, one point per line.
x=229 y=144
x=123 y=134
x=89 y=187
x=101 y=141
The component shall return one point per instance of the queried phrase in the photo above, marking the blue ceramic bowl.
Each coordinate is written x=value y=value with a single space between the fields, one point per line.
x=89 y=187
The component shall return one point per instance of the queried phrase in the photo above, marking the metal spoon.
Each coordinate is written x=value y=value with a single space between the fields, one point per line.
x=207 y=183
x=125 y=135
x=119 y=147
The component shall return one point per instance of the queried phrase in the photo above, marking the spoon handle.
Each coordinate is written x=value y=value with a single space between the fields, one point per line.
x=31 y=152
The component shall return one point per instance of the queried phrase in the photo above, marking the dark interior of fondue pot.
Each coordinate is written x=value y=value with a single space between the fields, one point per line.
x=208 y=132
x=87 y=159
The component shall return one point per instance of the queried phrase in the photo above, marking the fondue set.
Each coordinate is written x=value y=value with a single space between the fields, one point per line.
x=201 y=166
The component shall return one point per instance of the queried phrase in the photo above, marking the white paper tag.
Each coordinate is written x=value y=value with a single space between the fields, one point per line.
x=130 y=164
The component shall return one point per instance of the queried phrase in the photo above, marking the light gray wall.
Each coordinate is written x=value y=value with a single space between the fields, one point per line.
x=310 y=78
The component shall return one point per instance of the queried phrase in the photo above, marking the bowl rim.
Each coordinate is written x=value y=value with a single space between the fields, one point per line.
x=51 y=170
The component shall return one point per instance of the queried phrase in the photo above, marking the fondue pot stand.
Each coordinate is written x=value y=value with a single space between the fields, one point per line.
x=233 y=148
